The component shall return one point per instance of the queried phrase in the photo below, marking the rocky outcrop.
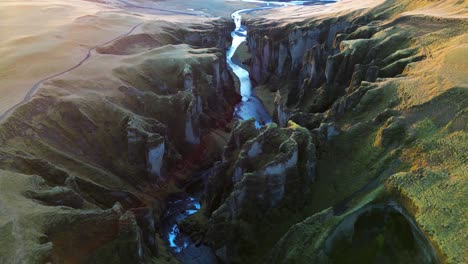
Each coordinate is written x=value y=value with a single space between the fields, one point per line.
x=302 y=55
x=155 y=156
x=321 y=61
x=148 y=144
x=267 y=169
x=192 y=123
x=102 y=196
x=84 y=172
x=145 y=219
x=348 y=102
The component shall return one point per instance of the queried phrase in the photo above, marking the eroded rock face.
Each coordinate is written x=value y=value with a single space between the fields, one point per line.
x=327 y=72
x=305 y=56
x=320 y=61
x=267 y=168
x=121 y=145
x=58 y=196
x=147 y=147
x=392 y=132
x=192 y=124
x=155 y=156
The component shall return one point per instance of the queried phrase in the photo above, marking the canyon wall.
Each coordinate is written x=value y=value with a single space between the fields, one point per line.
x=96 y=157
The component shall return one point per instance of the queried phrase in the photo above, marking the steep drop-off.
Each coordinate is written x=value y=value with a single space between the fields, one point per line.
x=365 y=161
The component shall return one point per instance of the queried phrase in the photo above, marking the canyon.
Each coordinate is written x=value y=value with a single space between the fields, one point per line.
x=237 y=132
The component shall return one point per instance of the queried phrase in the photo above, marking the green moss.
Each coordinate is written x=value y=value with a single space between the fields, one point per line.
x=356 y=46
x=424 y=129
x=382 y=235
x=195 y=225
x=360 y=162
x=392 y=132
x=7 y=242
x=435 y=188
x=375 y=101
x=398 y=66
x=165 y=256
x=400 y=54
x=437 y=199
x=267 y=94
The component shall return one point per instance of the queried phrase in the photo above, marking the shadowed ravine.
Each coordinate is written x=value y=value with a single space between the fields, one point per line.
x=250 y=107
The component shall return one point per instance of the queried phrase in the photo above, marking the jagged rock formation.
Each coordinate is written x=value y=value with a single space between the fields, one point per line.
x=325 y=59
x=265 y=170
x=94 y=161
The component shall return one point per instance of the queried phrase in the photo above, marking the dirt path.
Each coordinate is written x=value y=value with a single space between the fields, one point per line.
x=36 y=86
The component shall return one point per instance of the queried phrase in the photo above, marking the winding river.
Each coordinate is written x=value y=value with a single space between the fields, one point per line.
x=251 y=106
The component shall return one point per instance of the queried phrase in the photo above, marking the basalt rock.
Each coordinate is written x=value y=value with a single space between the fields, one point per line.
x=128 y=245
x=372 y=74
x=322 y=61
x=273 y=167
x=90 y=148
x=149 y=148
x=303 y=53
x=349 y=102
x=146 y=222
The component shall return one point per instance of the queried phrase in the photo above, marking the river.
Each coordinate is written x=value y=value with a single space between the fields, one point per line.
x=250 y=106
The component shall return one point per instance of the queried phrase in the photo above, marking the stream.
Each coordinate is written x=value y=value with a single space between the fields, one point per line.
x=182 y=246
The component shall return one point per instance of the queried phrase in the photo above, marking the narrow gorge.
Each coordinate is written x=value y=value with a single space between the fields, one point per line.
x=255 y=132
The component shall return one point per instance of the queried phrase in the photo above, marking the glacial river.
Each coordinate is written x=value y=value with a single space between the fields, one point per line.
x=250 y=106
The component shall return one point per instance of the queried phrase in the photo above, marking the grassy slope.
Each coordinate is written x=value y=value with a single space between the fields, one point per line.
x=432 y=96
x=424 y=165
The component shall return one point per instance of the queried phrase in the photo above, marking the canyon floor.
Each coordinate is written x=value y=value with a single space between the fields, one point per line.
x=117 y=128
